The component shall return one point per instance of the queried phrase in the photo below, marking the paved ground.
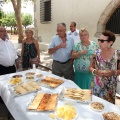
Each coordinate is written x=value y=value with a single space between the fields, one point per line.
x=45 y=61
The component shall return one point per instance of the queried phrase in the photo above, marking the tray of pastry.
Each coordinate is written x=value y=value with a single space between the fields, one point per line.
x=25 y=88
x=15 y=79
x=51 y=82
x=77 y=94
x=43 y=102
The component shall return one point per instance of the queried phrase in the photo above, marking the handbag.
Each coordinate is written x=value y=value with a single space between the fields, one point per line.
x=34 y=61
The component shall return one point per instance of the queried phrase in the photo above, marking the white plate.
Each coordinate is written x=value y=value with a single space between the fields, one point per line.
x=97 y=109
x=14 y=77
x=14 y=94
x=70 y=99
x=107 y=112
x=63 y=118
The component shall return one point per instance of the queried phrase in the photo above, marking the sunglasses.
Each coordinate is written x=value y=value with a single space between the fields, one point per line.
x=101 y=40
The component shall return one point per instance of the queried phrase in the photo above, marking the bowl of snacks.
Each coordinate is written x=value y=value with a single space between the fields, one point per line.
x=30 y=75
x=66 y=112
x=97 y=106
x=110 y=116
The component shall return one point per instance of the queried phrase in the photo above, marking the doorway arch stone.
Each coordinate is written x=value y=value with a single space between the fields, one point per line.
x=112 y=6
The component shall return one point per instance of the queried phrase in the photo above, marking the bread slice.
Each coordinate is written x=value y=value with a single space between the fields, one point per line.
x=35 y=103
x=52 y=102
x=43 y=102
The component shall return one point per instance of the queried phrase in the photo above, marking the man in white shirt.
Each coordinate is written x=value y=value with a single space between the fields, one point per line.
x=74 y=33
x=8 y=54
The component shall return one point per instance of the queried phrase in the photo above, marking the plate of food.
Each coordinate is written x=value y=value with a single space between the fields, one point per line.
x=16 y=79
x=38 y=75
x=110 y=116
x=62 y=113
x=77 y=94
x=51 y=82
x=43 y=102
x=25 y=88
x=17 y=76
x=30 y=75
x=97 y=106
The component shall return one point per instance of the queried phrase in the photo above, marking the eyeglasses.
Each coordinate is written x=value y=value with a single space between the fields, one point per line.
x=101 y=40
x=83 y=34
x=59 y=30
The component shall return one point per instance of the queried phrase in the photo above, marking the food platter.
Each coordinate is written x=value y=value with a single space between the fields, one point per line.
x=51 y=82
x=15 y=80
x=25 y=88
x=43 y=102
x=77 y=94
x=97 y=106
x=110 y=116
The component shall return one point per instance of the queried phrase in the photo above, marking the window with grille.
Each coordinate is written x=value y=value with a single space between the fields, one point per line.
x=113 y=23
x=45 y=10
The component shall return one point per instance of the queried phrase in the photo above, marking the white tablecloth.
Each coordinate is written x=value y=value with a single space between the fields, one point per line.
x=18 y=105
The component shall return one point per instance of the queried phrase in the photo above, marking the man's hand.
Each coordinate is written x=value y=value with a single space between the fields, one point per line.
x=17 y=64
x=62 y=45
x=39 y=61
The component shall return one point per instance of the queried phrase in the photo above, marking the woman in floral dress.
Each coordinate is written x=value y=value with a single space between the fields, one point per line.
x=82 y=53
x=105 y=67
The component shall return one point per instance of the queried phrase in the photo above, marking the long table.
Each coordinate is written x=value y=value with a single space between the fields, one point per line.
x=18 y=105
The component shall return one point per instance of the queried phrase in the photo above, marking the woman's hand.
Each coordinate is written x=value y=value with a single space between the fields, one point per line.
x=105 y=73
x=83 y=51
x=109 y=73
x=100 y=73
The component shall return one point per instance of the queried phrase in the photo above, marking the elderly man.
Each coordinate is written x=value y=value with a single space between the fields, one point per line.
x=7 y=54
x=7 y=58
x=61 y=47
x=74 y=33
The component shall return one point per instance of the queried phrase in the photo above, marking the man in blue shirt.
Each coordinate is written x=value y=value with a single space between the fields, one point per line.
x=61 y=47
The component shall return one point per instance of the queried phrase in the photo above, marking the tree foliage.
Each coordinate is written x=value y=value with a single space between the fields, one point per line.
x=8 y=19
x=26 y=19
x=17 y=11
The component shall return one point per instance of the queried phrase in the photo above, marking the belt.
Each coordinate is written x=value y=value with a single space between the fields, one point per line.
x=62 y=62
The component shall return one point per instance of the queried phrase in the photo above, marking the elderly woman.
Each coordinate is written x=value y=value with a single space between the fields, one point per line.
x=82 y=53
x=105 y=67
x=30 y=49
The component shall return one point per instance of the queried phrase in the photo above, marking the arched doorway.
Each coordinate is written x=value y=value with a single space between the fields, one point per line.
x=112 y=6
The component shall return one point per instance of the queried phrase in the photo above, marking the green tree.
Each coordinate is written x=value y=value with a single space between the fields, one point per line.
x=17 y=10
x=1 y=16
x=11 y=22
x=8 y=20
x=26 y=20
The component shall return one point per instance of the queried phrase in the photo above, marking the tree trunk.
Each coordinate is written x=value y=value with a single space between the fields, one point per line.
x=17 y=10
